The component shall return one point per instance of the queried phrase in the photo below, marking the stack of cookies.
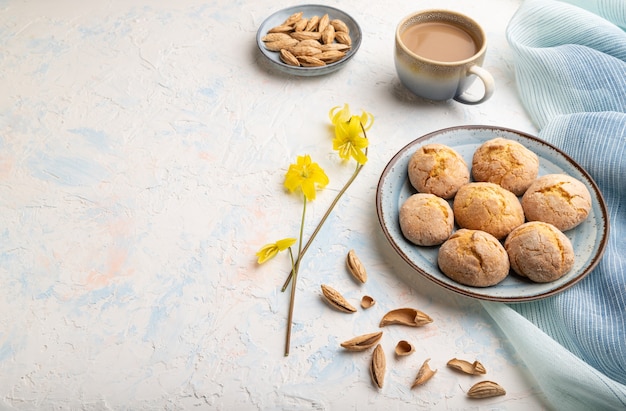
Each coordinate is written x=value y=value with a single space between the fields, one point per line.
x=507 y=218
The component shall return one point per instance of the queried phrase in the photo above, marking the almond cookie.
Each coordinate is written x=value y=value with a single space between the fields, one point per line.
x=558 y=199
x=426 y=219
x=488 y=207
x=539 y=251
x=438 y=169
x=474 y=258
x=507 y=163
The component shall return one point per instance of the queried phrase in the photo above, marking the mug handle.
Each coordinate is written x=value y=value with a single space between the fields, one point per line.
x=487 y=80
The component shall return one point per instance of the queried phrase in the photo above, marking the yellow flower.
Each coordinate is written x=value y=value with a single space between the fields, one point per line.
x=342 y=115
x=349 y=138
x=305 y=175
x=269 y=251
x=349 y=142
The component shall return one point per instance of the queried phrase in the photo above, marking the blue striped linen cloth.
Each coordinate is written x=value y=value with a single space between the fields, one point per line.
x=570 y=68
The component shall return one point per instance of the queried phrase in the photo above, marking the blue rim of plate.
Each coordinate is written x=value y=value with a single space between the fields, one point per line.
x=589 y=239
x=309 y=10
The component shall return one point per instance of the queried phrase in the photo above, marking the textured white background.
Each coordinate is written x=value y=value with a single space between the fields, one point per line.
x=143 y=146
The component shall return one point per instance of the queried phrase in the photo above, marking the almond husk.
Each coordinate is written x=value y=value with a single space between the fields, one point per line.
x=466 y=367
x=378 y=366
x=404 y=348
x=367 y=301
x=336 y=300
x=485 y=389
x=406 y=316
x=362 y=342
x=424 y=374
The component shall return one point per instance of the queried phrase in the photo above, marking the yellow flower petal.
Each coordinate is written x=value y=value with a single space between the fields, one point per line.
x=269 y=251
x=367 y=120
x=339 y=114
x=285 y=243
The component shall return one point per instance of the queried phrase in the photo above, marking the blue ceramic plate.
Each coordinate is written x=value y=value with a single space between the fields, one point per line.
x=309 y=10
x=588 y=239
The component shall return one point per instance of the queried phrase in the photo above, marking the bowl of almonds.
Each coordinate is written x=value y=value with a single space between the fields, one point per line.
x=309 y=40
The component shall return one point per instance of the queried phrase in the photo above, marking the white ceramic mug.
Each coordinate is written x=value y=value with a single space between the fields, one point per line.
x=440 y=79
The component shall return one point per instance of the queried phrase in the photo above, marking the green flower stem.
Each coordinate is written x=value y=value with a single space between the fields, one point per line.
x=323 y=220
x=294 y=270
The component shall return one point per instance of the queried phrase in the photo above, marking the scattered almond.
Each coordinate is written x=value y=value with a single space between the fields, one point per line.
x=474 y=368
x=424 y=374
x=336 y=300
x=362 y=342
x=403 y=348
x=367 y=301
x=356 y=268
x=485 y=389
x=378 y=366
x=406 y=316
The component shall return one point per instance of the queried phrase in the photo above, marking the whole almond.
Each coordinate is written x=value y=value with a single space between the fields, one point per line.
x=293 y=19
x=335 y=46
x=339 y=25
x=330 y=57
x=283 y=28
x=276 y=37
x=343 y=38
x=289 y=58
x=280 y=44
x=328 y=35
x=324 y=22
x=299 y=50
x=305 y=35
x=310 y=61
x=310 y=43
x=300 y=25
x=313 y=23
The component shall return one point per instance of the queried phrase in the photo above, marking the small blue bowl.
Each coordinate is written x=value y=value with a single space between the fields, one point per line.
x=309 y=11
